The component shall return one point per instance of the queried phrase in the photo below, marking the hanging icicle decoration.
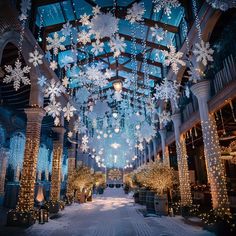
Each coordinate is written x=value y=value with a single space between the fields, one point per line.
x=195 y=131
x=191 y=135
x=232 y=110
x=222 y=122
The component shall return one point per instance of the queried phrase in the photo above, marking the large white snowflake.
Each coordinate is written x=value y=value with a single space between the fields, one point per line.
x=66 y=29
x=97 y=47
x=166 y=5
x=54 y=89
x=167 y=90
x=117 y=45
x=68 y=111
x=203 y=52
x=104 y=25
x=53 y=109
x=164 y=117
x=56 y=43
x=158 y=32
x=173 y=58
x=17 y=75
x=84 y=37
x=35 y=58
x=135 y=13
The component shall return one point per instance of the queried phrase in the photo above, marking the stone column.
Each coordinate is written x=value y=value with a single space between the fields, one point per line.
x=184 y=179
x=56 y=164
x=149 y=152
x=71 y=168
x=154 y=148
x=165 y=151
x=214 y=165
x=27 y=184
x=4 y=152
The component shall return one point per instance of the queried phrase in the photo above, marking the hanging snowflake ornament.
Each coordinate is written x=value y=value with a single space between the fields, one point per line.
x=108 y=73
x=135 y=13
x=117 y=45
x=104 y=25
x=68 y=111
x=203 y=52
x=140 y=147
x=55 y=43
x=173 y=59
x=65 y=82
x=84 y=19
x=84 y=37
x=85 y=139
x=166 y=5
x=17 y=75
x=195 y=74
x=42 y=81
x=53 y=65
x=35 y=58
x=96 y=10
x=167 y=90
x=82 y=95
x=158 y=33
x=53 y=109
x=164 y=117
x=84 y=147
x=54 y=89
x=97 y=47
x=25 y=7
x=66 y=29
x=223 y=5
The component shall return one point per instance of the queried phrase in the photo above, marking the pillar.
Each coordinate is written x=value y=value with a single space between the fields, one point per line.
x=33 y=129
x=184 y=180
x=4 y=152
x=71 y=168
x=56 y=164
x=165 y=151
x=215 y=168
x=149 y=152
x=154 y=142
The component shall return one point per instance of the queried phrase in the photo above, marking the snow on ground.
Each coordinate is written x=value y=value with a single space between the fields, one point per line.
x=112 y=214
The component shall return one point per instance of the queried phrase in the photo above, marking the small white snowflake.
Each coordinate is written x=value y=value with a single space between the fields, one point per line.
x=56 y=43
x=84 y=37
x=158 y=32
x=166 y=5
x=173 y=58
x=97 y=47
x=68 y=111
x=42 y=80
x=140 y=147
x=35 y=58
x=96 y=10
x=203 y=52
x=84 y=147
x=164 y=117
x=85 y=139
x=65 y=82
x=84 y=19
x=135 y=13
x=53 y=65
x=117 y=96
x=66 y=29
x=53 y=109
x=195 y=74
x=17 y=75
x=117 y=45
x=108 y=73
x=54 y=89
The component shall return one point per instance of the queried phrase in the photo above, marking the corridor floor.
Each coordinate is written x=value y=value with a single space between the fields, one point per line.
x=112 y=214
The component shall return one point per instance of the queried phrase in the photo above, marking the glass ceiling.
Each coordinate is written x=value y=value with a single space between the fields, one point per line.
x=117 y=124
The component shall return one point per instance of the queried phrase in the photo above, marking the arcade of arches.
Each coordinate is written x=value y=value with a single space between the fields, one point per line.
x=117 y=111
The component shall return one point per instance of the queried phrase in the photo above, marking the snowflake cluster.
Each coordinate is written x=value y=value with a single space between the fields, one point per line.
x=166 y=5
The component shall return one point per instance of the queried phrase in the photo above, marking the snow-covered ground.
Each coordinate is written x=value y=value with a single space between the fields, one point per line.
x=112 y=214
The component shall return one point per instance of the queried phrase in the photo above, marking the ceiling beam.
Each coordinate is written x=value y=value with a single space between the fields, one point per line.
x=39 y=3
x=125 y=54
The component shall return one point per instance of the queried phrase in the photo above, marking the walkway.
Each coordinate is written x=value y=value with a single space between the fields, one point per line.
x=113 y=214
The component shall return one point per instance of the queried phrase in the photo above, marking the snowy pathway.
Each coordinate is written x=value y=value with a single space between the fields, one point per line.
x=112 y=214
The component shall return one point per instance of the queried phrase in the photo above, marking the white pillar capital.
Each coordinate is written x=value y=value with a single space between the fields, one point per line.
x=201 y=90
